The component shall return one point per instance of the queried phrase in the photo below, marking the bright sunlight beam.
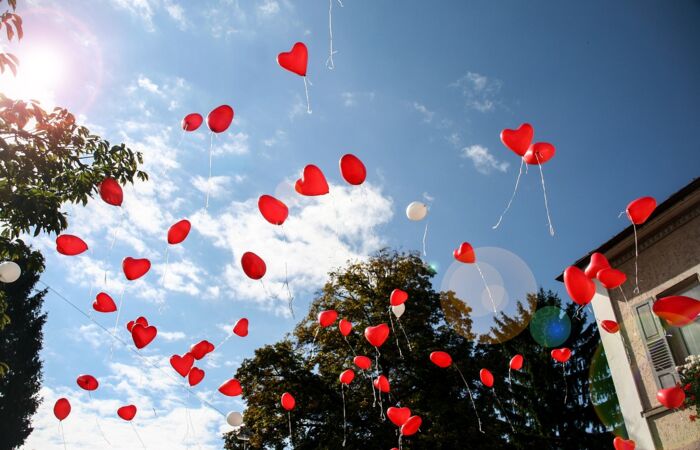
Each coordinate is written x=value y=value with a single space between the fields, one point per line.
x=40 y=75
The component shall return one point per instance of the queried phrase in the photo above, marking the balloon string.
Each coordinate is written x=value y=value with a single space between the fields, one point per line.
x=471 y=397
x=102 y=433
x=350 y=345
x=116 y=322
x=512 y=197
x=133 y=427
x=425 y=237
x=342 y=393
x=636 y=257
x=306 y=89
x=211 y=145
x=289 y=419
x=374 y=394
x=505 y=413
x=129 y=347
x=393 y=331
x=114 y=240
x=398 y=321
x=400 y=436
x=635 y=328
x=63 y=436
x=510 y=377
x=290 y=297
x=187 y=419
x=488 y=289
x=544 y=192
x=566 y=386
x=329 y=61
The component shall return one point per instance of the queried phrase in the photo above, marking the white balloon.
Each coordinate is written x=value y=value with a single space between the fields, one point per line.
x=416 y=211
x=398 y=310
x=235 y=419
x=9 y=272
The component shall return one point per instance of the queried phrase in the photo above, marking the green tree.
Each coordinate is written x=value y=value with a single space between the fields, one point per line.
x=20 y=343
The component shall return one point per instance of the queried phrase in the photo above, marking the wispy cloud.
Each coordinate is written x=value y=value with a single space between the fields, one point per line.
x=351 y=99
x=268 y=8
x=424 y=112
x=235 y=144
x=484 y=162
x=479 y=91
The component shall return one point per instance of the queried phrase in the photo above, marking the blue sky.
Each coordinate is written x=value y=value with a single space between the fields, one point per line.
x=420 y=92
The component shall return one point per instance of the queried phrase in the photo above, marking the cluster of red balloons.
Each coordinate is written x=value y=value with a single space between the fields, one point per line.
x=218 y=120
x=141 y=332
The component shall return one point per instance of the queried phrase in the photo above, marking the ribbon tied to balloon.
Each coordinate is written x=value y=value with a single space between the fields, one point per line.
x=443 y=360
x=562 y=356
x=465 y=254
x=638 y=212
x=397 y=306
x=296 y=61
x=487 y=379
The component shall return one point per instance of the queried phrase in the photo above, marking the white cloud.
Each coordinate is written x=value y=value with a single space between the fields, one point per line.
x=484 y=162
x=299 y=108
x=237 y=145
x=425 y=112
x=269 y=8
x=147 y=84
x=351 y=99
x=177 y=13
x=171 y=336
x=279 y=137
x=216 y=186
x=143 y=10
x=479 y=91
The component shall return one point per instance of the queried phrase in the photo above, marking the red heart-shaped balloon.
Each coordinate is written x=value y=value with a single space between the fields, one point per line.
x=581 y=289
x=195 y=376
x=381 y=383
x=623 y=444
x=539 y=153
x=135 y=268
x=142 y=335
x=352 y=169
x=398 y=297
x=516 y=362
x=312 y=182
x=182 y=364
x=87 y=382
x=241 y=327
x=465 y=253
x=103 y=303
x=441 y=359
x=345 y=327
x=111 y=192
x=610 y=326
x=326 y=318
x=411 y=426
x=142 y=320
x=69 y=245
x=178 y=232
x=192 y=121
x=288 y=401
x=295 y=60
x=273 y=210
x=518 y=140
x=347 y=376
x=362 y=362
x=611 y=278
x=127 y=412
x=398 y=416
x=486 y=377
x=677 y=310
x=561 y=355
x=377 y=334
x=597 y=263
x=231 y=388
x=220 y=118
x=639 y=210
x=201 y=348
x=61 y=409
x=253 y=265
x=672 y=397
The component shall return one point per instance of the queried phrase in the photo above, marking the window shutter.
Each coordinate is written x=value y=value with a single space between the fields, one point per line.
x=658 y=349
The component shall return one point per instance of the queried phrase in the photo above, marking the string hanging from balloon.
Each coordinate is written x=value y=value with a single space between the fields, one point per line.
x=138 y=436
x=443 y=360
x=487 y=380
x=329 y=62
x=116 y=321
x=488 y=289
x=346 y=377
x=562 y=356
x=63 y=436
x=544 y=193
x=512 y=197
x=396 y=338
x=296 y=61
x=218 y=121
x=638 y=211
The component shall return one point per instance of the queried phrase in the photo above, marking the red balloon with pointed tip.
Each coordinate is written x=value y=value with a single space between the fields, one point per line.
x=561 y=355
x=241 y=327
x=539 y=153
x=518 y=140
x=347 y=376
x=288 y=401
x=597 y=263
x=178 y=232
x=295 y=60
x=143 y=335
x=352 y=169
x=104 y=303
x=142 y=320
x=253 y=265
x=677 y=310
x=273 y=210
x=327 y=318
x=220 y=118
x=441 y=359
x=581 y=289
x=182 y=364
x=201 y=349
x=312 y=182
x=398 y=416
x=70 y=245
x=61 y=409
x=516 y=362
x=135 y=268
x=87 y=382
x=377 y=334
x=192 y=121
x=411 y=426
x=398 y=297
x=362 y=362
x=465 y=253
x=639 y=210
x=672 y=397
x=611 y=278
x=111 y=192
x=127 y=412
x=624 y=444
x=345 y=327
x=610 y=326
x=381 y=383
x=231 y=388
x=486 y=377
x=195 y=376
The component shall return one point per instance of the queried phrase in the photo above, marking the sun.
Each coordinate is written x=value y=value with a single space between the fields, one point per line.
x=40 y=76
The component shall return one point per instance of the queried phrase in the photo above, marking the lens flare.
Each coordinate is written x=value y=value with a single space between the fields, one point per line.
x=550 y=326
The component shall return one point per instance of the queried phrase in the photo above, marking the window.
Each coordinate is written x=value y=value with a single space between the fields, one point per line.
x=685 y=341
x=658 y=349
